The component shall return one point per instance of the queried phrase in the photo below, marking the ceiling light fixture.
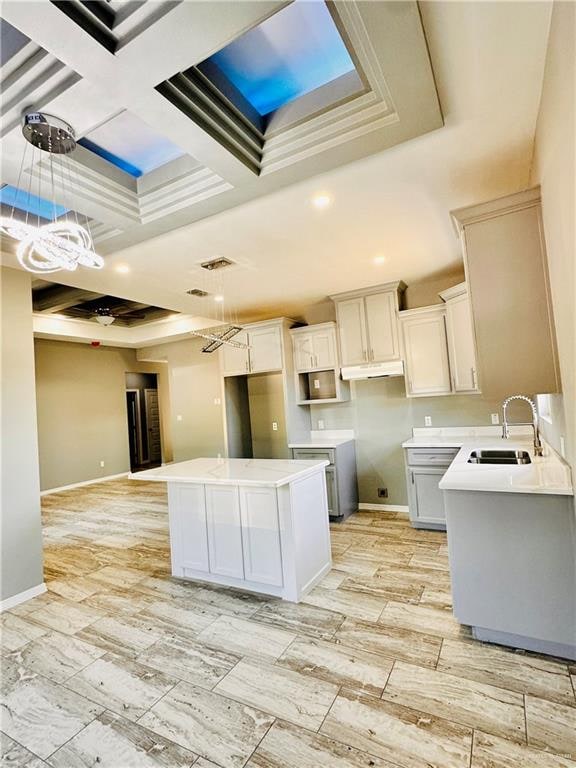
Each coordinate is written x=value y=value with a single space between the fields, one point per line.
x=380 y=260
x=219 y=297
x=122 y=269
x=321 y=201
x=63 y=243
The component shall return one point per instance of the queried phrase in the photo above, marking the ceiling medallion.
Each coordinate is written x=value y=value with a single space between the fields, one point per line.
x=63 y=243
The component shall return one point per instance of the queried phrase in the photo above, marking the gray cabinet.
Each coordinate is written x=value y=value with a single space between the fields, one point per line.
x=507 y=274
x=341 y=479
x=425 y=467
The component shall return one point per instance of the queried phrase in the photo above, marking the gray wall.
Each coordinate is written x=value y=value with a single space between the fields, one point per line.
x=382 y=417
x=21 y=567
x=82 y=418
x=266 y=402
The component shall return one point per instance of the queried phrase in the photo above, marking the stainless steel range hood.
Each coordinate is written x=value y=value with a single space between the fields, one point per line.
x=372 y=370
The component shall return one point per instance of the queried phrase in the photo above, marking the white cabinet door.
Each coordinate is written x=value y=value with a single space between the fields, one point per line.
x=188 y=530
x=426 y=499
x=224 y=531
x=382 y=324
x=303 y=351
x=235 y=359
x=265 y=349
x=261 y=536
x=461 y=345
x=324 y=348
x=352 y=331
x=426 y=352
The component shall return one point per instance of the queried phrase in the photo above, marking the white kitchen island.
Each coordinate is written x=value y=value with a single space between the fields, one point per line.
x=256 y=524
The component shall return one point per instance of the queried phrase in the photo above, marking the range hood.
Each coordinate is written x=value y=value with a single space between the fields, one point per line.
x=372 y=370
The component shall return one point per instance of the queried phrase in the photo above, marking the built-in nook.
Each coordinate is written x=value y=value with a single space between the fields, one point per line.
x=143 y=414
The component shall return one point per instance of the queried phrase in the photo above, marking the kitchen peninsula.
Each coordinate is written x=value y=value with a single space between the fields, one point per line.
x=256 y=524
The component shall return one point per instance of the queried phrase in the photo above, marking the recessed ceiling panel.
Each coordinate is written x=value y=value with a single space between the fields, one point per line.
x=293 y=52
x=22 y=200
x=128 y=143
x=11 y=41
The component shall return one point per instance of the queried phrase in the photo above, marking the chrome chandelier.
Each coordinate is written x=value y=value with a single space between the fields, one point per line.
x=63 y=243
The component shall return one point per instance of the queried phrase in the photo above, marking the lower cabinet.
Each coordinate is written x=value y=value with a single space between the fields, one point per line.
x=341 y=479
x=261 y=535
x=226 y=531
x=425 y=467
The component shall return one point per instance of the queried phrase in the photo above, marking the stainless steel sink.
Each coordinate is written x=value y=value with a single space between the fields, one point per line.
x=499 y=457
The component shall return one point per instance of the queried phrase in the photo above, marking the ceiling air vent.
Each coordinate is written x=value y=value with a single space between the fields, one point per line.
x=218 y=263
x=197 y=292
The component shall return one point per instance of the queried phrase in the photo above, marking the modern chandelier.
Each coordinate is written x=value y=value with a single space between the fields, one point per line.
x=62 y=243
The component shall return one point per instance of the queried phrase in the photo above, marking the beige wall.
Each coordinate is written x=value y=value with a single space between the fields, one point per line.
x=554 y=169
x=266 y=403
x=81 y=403
x=194 y=384
x=21 y=567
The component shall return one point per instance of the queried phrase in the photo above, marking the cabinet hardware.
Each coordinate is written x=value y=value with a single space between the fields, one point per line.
x=371 y=354
x=412 y=477
x=364 y=355
x=473 y=373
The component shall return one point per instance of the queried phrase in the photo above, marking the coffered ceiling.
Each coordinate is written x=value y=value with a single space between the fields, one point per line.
x=168 y=138
x=438 y=112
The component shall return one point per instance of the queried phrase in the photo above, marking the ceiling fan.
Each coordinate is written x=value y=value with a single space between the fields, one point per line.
x=105 y=315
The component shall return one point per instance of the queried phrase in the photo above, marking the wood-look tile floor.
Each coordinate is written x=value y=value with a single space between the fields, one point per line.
x=121 y=666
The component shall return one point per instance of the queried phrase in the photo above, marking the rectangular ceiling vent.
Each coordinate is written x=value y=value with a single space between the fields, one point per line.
x=197 y=292
x=219 y=263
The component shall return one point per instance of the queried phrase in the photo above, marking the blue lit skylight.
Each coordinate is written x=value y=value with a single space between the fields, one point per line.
x=36 y=206
x=291 y=53
x=128 y=143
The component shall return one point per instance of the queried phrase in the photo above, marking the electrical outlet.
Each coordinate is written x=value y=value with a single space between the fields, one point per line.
x=179 y=417
x=427 y=421
x=320 y=423
x=102 y=464
x=275 y=426
x=382 y=493
x=217 y=401
x=495 y=418
x=316 y=383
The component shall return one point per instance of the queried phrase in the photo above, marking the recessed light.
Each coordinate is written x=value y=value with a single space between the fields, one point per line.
x=219 y=297
x=123 y=269
x=380 y=259
x=321 y=201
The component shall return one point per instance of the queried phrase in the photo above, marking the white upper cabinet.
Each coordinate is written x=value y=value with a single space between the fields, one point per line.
x=314 y=347
x=235 y=359
x=382 y=322
x=265 y=352
x=351 y=316
x=368 y=324
x=460 y=332
x=426 y=352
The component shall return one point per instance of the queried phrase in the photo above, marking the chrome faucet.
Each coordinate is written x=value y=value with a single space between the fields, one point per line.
x=534 y=423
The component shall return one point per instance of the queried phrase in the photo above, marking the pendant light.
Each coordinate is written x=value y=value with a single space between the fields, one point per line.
x=62 y=243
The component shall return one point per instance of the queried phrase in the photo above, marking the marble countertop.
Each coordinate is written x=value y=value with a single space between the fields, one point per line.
x=333 y=443
x=547 y=474
x=267 y=472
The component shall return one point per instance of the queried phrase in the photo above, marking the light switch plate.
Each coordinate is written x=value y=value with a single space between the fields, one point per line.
x=495 y=417
x=275 y=426
x=427 y=421
x=320 y=423
x=179 y=417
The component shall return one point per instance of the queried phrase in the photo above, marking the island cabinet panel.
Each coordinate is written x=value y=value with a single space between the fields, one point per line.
x=224 y=531
x=188 y=529
x=261 y=535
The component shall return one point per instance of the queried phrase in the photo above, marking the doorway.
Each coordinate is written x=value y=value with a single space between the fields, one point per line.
x=143 y=413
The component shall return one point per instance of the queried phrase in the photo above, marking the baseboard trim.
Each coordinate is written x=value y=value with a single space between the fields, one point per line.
x=384 y=507
x=48 y=491
x=22 y=597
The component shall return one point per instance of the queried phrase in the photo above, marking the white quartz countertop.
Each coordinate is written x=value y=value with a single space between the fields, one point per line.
x=547 y=474
x=328 y=443
x=269 y=472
